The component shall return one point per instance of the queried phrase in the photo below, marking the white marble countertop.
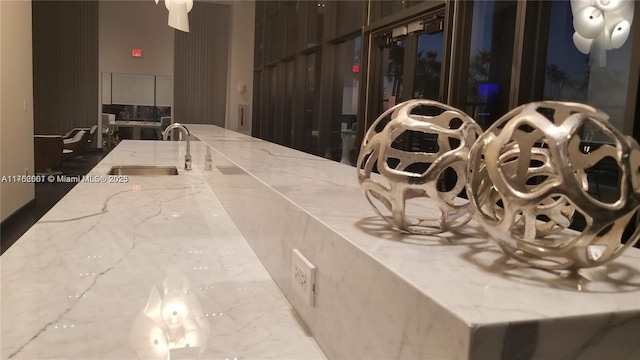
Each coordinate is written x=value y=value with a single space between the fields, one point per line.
x=129 y=270
x=464 y=273
x=86 y=281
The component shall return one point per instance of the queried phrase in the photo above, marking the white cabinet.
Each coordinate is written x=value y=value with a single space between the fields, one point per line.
x=135 y=89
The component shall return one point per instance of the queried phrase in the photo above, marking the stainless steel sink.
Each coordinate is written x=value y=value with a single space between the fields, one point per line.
x=143 y=170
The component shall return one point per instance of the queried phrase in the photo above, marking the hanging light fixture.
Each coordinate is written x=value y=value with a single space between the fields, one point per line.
x=178 y=13
x=601 y=25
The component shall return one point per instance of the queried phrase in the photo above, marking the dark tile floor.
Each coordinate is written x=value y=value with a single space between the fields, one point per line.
x=46 y=196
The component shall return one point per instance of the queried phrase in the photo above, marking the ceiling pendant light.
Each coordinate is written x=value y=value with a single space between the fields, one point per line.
x=178 y=13
x=601 y=25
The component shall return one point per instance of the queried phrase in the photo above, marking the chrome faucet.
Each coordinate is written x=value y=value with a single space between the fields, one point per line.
x=187 y=157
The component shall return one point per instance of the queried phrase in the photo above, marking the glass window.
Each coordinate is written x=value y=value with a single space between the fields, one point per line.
x=315 y=23
x=257 y=103
x=270 y=6
x=268 y=103
x=393 y=57
x=258 y=46
x=273 y=104
x=345 y=101
x=491 y=53
x=389 y=7
x=259 y=11
x=311 y=103
x=570 y=77
x=292 y=27
x=278 y=114
x=428 y=66
x=349 y=16
x=289 y=91
x=274 y=37
x=269 y=40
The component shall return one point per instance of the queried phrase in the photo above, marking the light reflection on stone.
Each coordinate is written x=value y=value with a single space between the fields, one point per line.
x=171 y=325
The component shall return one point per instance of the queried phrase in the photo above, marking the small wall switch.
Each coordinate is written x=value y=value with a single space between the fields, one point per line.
x=303 y=277
x=25 y=107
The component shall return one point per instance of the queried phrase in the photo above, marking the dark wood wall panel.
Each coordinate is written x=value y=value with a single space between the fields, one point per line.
x=65 y=65
x=200 y=66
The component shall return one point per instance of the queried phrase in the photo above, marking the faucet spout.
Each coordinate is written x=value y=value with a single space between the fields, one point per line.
x=185 y=131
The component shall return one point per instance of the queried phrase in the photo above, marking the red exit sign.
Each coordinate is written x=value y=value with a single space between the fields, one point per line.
x=136 y=53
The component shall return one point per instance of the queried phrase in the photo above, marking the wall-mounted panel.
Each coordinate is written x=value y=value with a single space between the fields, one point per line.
x=106 y=88
x=131 y=89
x=164 y=90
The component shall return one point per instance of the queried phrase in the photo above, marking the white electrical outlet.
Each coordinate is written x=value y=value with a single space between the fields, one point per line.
x=303 y=277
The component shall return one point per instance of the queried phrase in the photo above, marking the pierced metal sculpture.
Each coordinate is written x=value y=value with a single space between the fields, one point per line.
x=532 y=171
x=419 y=157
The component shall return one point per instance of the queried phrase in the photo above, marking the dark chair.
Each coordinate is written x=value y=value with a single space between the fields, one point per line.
x=91 y=137
x=109 y=134
x=75 y=146
x=72 y=133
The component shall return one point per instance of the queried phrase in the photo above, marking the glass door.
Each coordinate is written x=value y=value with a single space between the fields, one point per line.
x=407 y=64
x=428 y=66
x=392 y=71
x=388 y=74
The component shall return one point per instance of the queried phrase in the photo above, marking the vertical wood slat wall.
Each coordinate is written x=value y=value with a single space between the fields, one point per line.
x=200 y=66
x=65 y=65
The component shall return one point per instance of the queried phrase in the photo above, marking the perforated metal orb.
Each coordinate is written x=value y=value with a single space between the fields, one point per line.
x=418 y=157
x=539 y=170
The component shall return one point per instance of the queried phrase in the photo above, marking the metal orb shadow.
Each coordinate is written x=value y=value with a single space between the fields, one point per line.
x=530 y=175
x=418 y=157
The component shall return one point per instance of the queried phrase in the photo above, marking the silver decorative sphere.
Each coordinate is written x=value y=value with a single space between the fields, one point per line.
x=534 y=173
x=418 y=157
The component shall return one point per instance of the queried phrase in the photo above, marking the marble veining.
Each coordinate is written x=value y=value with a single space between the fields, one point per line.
x=81 y=282
x=75 y=284
x=384 y=294
x=349 y=207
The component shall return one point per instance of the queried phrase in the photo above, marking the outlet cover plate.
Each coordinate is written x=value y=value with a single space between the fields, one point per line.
x=303 y=277
x=243 y=116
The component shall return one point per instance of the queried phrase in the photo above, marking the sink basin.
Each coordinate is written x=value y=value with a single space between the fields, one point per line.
x=143 y=170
